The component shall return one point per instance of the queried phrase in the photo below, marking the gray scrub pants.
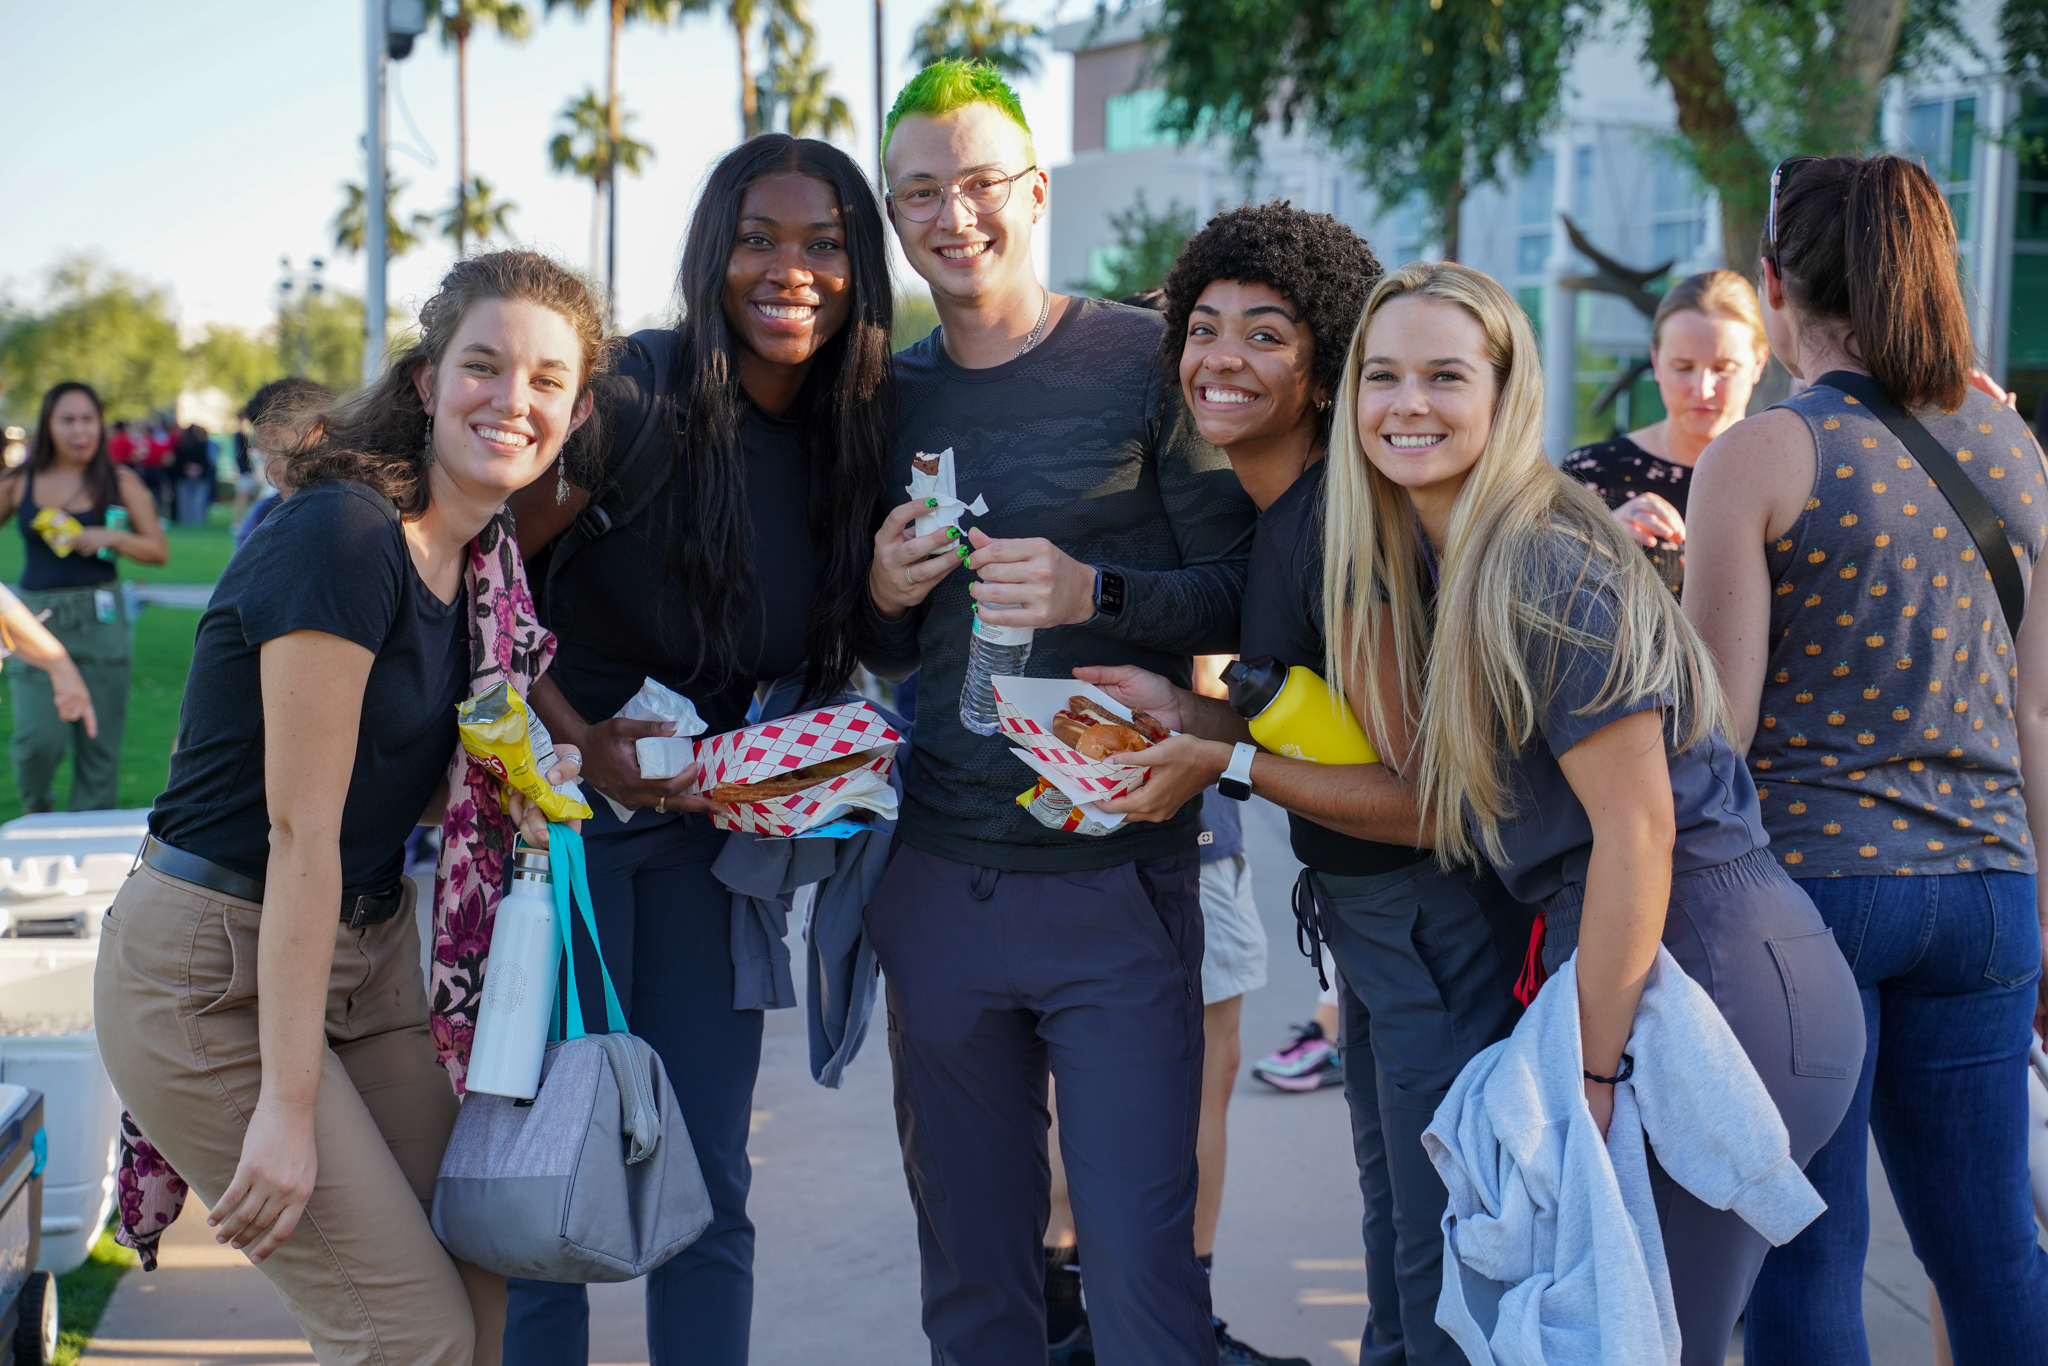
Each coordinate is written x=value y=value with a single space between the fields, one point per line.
x=1752 y=938
x=993 y=978
x=1426 y=962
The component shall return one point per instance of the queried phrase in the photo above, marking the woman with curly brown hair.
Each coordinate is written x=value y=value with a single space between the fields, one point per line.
x=258 y=993
x=1260 y=307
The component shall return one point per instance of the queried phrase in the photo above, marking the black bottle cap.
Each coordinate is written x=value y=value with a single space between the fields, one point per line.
x=1254 y=683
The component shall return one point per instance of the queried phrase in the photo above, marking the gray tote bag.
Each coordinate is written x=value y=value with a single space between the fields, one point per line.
x=595 y=1179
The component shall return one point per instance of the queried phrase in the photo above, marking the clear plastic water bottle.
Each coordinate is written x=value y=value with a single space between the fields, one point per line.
x=519 y=984
x=991 y=650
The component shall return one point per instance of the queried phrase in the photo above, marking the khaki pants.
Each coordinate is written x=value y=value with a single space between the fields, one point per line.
x=175 y=1005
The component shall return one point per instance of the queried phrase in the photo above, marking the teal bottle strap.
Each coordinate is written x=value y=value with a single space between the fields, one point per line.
x=571 y=881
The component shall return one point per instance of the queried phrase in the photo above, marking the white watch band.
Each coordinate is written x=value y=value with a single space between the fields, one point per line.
x=1240 y=769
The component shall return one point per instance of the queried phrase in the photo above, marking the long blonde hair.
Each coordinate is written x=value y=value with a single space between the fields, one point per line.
x=1526 y=549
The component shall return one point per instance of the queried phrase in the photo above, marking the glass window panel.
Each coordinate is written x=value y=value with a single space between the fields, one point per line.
x=1962 y=145
x=2033 y=136
x=2029 y=336
x=2031 y=221
x=1131 y=120
x=1530 y=297
x=1674 y=241
x=1673 y=188
x=1959 y=208
x=1532 y=253
x=1923 y=133
x=1538 y=196
x=1582 y=183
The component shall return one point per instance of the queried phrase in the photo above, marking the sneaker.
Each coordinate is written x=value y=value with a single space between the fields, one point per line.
x=1076 y=1349
x=1231 y=1352
x=1308 y=1063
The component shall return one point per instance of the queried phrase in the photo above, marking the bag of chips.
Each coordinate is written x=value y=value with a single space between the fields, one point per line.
x=510 y=741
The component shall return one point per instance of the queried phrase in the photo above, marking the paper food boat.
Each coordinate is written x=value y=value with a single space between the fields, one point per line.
x=1026 y=707
x=775 y=747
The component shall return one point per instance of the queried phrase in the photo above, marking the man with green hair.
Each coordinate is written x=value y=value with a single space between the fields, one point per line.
x=1013 y=946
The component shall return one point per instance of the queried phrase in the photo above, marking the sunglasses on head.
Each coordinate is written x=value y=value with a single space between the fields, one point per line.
x=1781 y=176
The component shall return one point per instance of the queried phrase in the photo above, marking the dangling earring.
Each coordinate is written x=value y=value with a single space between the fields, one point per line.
x=562 y=478
x=427 y=444
x=1322 y=405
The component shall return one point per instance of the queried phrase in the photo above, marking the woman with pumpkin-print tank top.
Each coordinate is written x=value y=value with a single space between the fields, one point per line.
x=1889 y=713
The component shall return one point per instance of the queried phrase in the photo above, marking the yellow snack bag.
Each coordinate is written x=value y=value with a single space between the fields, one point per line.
x=500 y=733
x=58 y=528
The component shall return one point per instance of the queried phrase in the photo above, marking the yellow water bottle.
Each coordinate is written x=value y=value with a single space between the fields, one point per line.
x=1294 y=713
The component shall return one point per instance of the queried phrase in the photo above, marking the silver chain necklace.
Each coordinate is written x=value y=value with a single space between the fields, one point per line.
x=1044 y=312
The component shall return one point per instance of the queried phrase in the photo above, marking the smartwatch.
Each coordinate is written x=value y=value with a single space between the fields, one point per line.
x=1236 y=782
x=1109 y=594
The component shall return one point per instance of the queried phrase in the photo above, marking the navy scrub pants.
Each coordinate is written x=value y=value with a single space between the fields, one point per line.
x=995 y=977
x=1426 y=965
x=666 y=923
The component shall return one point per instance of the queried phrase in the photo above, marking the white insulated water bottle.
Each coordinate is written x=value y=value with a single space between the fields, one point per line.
x=992 y=651
x=519 y=984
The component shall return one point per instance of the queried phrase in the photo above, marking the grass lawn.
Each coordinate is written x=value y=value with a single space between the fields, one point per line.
x=82 y=1296
x=162 y=657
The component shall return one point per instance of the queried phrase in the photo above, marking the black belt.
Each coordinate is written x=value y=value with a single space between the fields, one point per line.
x=356 y=911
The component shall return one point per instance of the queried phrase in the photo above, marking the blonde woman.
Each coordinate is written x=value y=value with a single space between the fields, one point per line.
x=1570 y=729
x=1707 y=351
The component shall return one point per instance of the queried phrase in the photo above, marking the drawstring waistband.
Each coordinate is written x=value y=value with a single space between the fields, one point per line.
x=1309 y=936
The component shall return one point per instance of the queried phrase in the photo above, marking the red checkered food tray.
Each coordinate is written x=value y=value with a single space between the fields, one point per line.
x=1026 y=707
x=792 y=742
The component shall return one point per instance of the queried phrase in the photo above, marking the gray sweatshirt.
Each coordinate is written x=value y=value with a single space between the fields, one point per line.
x=1085 y=442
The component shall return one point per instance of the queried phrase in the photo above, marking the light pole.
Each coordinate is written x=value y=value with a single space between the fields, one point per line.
x=306 y=285
x=390 y=27
x=881 y=68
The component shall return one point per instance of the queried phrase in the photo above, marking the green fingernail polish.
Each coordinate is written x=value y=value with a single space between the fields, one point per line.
x=953 y=533
x=931 y=502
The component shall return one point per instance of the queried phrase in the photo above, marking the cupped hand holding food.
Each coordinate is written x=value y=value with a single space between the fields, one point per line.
x=532 y=822
x=1030 y=582
x=1136 y=688
x=906 y=565
x=1182 y=766
x=612 y=766
x=1650 y=519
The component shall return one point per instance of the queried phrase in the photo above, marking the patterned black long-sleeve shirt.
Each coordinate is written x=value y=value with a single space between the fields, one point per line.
x=1085 y=442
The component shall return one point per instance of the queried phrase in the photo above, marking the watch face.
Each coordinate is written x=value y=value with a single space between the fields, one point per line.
x=1109 y=593
x=1233 y=789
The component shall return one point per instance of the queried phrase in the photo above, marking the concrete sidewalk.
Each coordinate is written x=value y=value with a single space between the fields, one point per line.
x=837 y=1257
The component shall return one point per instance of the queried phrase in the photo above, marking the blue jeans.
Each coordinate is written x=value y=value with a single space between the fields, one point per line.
x=666 y=923
x=1947 y=967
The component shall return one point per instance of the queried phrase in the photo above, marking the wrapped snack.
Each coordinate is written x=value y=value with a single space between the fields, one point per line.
x=58 y=528
x=1075 y=736
x=505 y=738
x=931 y=476
x=801 y=772
x=660 y=756
x=1055 y=810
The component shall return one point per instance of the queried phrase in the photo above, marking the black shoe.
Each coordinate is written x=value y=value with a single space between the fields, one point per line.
x=1076 y=1349
x=1231 y=1352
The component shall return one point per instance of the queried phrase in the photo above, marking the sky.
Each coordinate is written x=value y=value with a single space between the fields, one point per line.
x=195 y=144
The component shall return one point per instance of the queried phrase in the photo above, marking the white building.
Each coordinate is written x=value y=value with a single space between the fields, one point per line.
x=1609 y=164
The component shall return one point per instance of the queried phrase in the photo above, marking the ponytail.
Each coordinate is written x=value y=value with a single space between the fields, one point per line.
x=1870 y=242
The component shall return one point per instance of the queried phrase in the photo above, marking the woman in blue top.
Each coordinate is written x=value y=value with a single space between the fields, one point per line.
x=1570 y=728
x=1889 y=712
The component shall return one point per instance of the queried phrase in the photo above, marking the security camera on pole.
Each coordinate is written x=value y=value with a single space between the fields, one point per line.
x=392 y=25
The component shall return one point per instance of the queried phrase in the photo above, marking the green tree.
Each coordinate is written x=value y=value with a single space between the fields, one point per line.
x=98 y=325
x=915 y=318
x=793 y=82
x=459 y=20
x=584 y=146
x=1146 y=246
x=620 y=13
x=331 y=326
x=233 y=361
x=477 y=212
x=400 y=236
x=1439 y=96
x=977 y=31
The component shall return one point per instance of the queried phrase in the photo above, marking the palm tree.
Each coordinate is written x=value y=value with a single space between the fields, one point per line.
x=620 y=12
x=798 y=84
x=477 y=212
x=585 y=147
x=399 y=237
x=460 y=18
x=977 y=31
x=740 y=14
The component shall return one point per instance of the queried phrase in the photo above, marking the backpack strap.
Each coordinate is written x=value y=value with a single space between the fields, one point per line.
x=1963 y=495
x=637 y=472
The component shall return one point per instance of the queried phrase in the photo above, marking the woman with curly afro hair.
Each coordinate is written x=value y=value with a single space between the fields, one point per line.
x=1260 y=310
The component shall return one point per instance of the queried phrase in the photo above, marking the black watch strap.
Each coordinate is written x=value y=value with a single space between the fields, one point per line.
x=1628 y=1069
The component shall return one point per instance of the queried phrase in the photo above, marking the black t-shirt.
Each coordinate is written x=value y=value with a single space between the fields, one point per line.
x=331 y=558
x=1283 y=617
x=618 y=611
x=1618 y=470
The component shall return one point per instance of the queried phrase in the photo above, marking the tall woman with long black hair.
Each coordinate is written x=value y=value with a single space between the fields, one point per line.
x=725 y=545
x=69 y=572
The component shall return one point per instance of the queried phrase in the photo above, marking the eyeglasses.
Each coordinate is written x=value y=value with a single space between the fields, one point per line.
x=920 y=198
x=1781 y=176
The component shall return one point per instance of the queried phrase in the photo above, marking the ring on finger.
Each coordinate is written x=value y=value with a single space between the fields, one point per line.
x=662 y=806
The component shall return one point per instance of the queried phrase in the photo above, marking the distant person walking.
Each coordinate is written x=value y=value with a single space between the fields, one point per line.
x=193 y=462
x=280 y=417
x=77 y=510
x=156 y=463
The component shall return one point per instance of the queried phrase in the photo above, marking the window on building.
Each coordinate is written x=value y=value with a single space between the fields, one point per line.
x=1582 y=184
x=1131 y=121
x=2027 y=341
x=1530 y=297
x=1535 y=215
x=1411 y=225
x=1942 y=136
x=1677 y=210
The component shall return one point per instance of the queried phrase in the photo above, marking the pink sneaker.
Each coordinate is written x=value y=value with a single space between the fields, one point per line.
x=1308 y=1063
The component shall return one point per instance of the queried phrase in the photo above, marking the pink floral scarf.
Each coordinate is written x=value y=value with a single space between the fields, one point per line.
x=506 y=641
